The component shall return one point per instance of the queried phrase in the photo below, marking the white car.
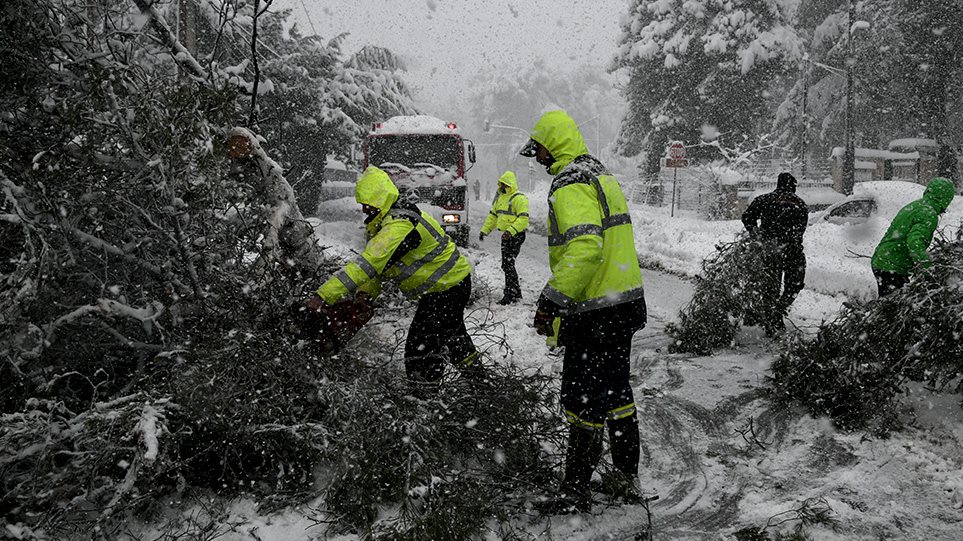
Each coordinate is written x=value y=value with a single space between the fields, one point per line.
x=841 y=239
x=881 y=198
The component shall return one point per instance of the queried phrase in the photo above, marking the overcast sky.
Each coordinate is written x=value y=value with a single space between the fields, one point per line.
x=444 y=41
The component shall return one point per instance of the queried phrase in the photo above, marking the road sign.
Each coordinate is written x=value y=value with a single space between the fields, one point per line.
x=677 y=151
x=670 y=162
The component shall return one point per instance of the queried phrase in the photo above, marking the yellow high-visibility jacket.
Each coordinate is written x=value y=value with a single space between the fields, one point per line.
x=406 y=245
x=509 y=210
x=591 y=246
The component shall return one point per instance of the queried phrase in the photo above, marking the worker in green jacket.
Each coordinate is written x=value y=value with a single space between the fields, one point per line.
x=509 y=213
x=909 y=235
x=408 y=246
x=596 y=289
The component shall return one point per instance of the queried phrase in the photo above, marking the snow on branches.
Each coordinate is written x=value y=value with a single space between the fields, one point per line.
x=741 y=33
x=693 y=62
x=855 y=367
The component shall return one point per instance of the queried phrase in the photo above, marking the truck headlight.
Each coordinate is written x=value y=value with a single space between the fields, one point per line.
x=451 y=218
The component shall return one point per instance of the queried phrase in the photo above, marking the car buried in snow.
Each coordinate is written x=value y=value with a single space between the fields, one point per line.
x=868 y=212
x=882 y=198
x=428 y=160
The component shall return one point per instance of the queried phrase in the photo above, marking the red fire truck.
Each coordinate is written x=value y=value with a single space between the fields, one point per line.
x=428 y=160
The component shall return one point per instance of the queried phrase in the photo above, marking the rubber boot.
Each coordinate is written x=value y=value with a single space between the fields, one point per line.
x=622 y=483
x=582 y=456
x=624 y=437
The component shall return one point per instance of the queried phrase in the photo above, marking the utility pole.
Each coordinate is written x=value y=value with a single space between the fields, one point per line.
x=805 y=121
x=849 y=157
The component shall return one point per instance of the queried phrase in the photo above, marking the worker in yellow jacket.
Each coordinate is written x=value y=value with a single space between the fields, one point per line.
x=408 y=246
x=509 y=214
x=596 y=289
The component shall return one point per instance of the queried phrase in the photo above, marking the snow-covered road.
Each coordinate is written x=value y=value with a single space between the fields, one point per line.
x=721 y=457
x=714 y=448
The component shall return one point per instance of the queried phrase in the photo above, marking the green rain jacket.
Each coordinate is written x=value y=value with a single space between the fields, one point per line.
x=905 y=243
x=431 y=264
x=509 y=210
x=591 y=245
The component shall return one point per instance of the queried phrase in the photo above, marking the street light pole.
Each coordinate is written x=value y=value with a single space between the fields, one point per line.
x=489 y=126
x=805 y=120
x=598 y=133
x=848 y=128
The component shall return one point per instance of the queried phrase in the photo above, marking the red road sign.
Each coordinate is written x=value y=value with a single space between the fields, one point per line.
x=677 y=150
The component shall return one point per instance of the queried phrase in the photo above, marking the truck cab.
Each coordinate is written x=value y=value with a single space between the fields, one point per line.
x=427 y=159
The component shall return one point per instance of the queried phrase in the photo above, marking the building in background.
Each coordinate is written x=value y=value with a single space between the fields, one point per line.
x=911 y=160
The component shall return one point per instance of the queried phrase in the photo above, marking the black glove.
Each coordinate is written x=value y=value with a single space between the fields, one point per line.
x=545 y=313
x=310 y=317
x=506 y=236
x=543 y=323
x=481 y=237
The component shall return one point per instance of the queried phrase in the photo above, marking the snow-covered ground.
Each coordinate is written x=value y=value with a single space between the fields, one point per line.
x=714 y=449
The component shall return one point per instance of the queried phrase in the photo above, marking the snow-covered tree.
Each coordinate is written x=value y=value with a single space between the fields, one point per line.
x=905 y=63
x=697 y=62
x=313 y=99
x=869 y=46
x=151 y=251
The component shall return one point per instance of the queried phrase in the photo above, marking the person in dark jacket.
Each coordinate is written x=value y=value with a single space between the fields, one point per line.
x=780 y=217
x=904 y=245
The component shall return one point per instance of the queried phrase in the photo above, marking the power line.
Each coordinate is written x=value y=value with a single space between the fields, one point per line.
x=308 y=15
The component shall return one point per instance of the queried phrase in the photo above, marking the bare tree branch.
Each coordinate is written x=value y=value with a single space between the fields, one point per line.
x=181 y=55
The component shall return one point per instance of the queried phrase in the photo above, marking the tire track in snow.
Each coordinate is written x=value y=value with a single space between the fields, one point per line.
x=678 y=434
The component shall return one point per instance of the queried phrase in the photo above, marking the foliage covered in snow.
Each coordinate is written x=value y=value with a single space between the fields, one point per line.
x=728 y=294
x=856 y=366
x=696 y=62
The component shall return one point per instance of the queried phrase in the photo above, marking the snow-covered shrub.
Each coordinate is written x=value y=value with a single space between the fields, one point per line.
x=87 y=464
x=727 y=295
x=856 y=366
x=144 y=277
x=450 y=462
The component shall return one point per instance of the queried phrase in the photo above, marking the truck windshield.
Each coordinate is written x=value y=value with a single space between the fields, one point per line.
x=414 y=150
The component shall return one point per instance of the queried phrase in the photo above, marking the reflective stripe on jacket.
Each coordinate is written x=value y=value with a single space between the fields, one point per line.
x=433 y=263
x=591 y=245
x=509 y=210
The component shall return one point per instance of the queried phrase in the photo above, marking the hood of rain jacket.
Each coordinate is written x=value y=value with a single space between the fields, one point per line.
x=508 y=179
x=376 y=189
x=559 y=133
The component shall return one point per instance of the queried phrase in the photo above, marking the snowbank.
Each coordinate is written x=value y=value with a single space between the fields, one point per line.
x=837 y=256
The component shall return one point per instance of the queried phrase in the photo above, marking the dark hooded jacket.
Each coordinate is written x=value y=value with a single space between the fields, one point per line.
x=780 y=215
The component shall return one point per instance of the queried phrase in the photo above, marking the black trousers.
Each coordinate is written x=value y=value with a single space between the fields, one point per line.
x=438 y=334
x=595 y=368
x=596 y=390
x=888 y=282
x=785 y=278
x=510 y=249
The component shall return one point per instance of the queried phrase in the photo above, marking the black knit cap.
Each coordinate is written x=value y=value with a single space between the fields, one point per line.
x=786 y=182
